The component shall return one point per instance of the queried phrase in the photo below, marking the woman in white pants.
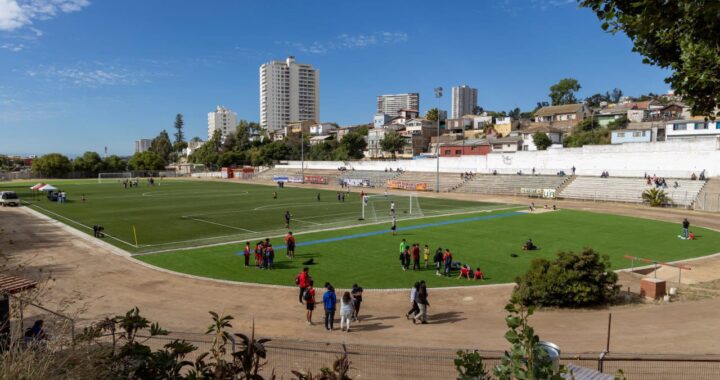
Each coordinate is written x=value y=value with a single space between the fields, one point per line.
x=346 y=311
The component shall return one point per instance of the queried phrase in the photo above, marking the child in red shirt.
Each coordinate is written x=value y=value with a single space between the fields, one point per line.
x=479 y=274
x=464 y=272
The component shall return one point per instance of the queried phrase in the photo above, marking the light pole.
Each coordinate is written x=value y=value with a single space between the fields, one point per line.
x=302 y=155
x=438 y=95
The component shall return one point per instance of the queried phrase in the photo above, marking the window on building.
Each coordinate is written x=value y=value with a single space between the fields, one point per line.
x=701 y=126
x=447 y=151
x=636 y=134
x=679 y=127
x=458 y=151
x=621 y=134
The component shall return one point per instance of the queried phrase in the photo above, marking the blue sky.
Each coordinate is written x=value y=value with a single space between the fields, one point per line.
x=79 y=75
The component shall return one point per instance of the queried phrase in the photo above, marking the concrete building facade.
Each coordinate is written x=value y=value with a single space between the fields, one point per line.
x=223 y=120
x=392 y=104
x=142 y=145
x=289 y=91
x=464 y=101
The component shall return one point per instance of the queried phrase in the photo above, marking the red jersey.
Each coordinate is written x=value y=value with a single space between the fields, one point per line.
x=312 y=295
x=289 y=239
x=416 y=253
x=464 y=272
x=478 y=274
x=303 y=280
x=247 y=250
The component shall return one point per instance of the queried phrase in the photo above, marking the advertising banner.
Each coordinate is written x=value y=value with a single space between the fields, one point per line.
x=364 y=182
x=316 y=179
x=403 y=185
x=280 y=178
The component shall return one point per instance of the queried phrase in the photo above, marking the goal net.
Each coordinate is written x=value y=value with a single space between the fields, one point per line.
x=376 y=208
x=113 y=177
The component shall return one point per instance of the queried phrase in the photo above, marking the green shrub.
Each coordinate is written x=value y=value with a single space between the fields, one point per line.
x=571 y=280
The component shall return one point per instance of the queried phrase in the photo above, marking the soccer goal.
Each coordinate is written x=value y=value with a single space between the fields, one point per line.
x=113 y=177
x=378 y=207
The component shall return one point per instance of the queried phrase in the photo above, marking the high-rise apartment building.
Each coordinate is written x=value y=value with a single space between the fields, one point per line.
x=464 y=101
x=289 y=91
x=142 y=145
x=392 y=104
x=223 y=120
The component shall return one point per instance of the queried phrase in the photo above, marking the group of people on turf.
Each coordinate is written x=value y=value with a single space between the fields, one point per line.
x=265 y=253
x=443 y=260
x=350 y=301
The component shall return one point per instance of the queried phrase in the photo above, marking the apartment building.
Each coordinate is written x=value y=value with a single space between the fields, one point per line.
x=392 y=104
x=289 y=91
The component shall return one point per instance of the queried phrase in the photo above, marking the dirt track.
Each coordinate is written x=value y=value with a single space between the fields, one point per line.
x=110 y=284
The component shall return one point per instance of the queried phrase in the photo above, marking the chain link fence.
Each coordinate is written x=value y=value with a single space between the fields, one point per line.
x=707 y=202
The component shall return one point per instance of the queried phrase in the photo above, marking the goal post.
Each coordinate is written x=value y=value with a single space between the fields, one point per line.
x=107 y=177
x=379 y=207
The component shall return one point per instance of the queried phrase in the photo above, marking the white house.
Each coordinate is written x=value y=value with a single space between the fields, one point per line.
x=683 y=129
x=322 y=129
x=528 y=143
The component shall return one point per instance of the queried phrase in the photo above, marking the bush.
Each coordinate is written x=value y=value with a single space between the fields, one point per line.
x=571 y=280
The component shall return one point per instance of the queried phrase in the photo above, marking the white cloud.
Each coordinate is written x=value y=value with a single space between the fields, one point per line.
x=349 y=41
x=91 y=77
x=16 y=14
x=13 y=47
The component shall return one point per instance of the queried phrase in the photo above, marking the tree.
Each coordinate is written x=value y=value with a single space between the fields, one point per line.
x=526 y=359
x=595 y=99
x=114 y=163
x=53 y=165
x=147 y=160
x=432 y=114
x=563 y=92
x=354 y=144
x=179 y=123
x=571 y=280
x=209 y=153
x=392 y=142
x=477 y=110
x=162 y=146
x=619 y=123
x=541 y=140
x=90 y=163
x=615 y=95
x=680 y=35
x=656 y=197
x=515 y=113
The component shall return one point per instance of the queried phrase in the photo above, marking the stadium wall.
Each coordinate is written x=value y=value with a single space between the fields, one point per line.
x=679 y=158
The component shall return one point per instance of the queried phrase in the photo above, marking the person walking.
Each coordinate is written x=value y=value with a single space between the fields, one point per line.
x=438 y=259
x=422 y=304
x=357 y=295
x=448 y=261
x=303 y=281
x=347 y=310
x=416 y=256
x=686 y=227
x=309 y=298
x=413 y=301
x=329 y=301
x=246 y=254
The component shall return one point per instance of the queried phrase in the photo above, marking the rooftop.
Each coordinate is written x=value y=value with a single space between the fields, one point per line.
x=554 y=110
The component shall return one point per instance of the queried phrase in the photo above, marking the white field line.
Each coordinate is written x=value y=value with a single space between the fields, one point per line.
x=223 y=225
x=306 y=221
x=78 y=223
x=294 y=233
x=181 y=194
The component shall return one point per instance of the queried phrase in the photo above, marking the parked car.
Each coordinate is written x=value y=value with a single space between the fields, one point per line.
x=9 y=198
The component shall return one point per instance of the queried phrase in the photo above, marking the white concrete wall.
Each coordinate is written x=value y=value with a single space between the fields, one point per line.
x=668 y=158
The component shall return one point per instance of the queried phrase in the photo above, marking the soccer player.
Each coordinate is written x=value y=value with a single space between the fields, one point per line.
x=448 y=261
x=416 y=256
x=318 y=197
x=393 y=226
x=287 y=219
x=246 y=254
x=403 y=244
x=392 y=207
x=258 y=254
x=426 y=255
x=274 y=194
x=438 y=259
x=290 y=243
x=303 y=281
x=270 y=254
x=309 y=301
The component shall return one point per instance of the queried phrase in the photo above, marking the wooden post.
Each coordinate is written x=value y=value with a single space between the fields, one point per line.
x=607 y=343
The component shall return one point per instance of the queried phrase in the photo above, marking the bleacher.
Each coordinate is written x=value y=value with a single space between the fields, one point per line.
x=376 y=178
x=510 y=184
x=615 y=189
x=448 y=181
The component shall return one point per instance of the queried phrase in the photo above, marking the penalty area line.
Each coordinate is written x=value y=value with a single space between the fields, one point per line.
x=79 y=224
x=223 y=225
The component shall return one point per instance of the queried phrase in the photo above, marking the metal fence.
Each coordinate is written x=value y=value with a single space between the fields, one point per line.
x=394 y=362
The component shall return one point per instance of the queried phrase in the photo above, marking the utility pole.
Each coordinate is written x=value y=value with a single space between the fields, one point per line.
x=438 y=95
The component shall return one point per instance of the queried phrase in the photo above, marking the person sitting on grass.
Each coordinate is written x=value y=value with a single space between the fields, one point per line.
x=529 y=245
x=464 y=272
x=478 y=274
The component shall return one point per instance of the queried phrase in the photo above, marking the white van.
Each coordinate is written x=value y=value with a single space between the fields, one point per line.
x=9 y=198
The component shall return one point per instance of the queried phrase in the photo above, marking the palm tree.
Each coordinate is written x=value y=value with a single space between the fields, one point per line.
x=656 y=197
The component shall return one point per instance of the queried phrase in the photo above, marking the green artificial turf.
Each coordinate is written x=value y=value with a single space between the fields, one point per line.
x=180 y=213
x=373 y=261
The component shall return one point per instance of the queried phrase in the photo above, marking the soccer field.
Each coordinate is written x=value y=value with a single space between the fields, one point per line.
x=185 y=213
x=199 y=227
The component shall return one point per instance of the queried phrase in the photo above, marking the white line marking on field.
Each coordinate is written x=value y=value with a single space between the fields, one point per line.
x=223 y=225
x=280 y=233
x=306 y=221
x=79 y=224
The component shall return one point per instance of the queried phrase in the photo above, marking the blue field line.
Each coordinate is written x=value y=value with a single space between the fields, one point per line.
x=408 y=228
